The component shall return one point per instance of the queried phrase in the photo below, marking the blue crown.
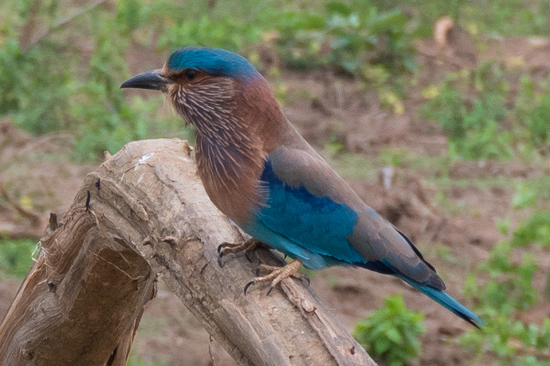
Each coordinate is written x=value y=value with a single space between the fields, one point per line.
x=214 y=61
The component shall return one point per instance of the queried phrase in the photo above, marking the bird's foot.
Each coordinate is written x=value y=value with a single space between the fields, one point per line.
x=245 y=246
x=277 y=274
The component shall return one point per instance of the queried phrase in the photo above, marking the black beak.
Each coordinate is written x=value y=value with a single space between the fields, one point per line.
x=148 y=80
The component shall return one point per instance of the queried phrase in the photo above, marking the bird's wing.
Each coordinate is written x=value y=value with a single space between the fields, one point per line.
x=312 y=206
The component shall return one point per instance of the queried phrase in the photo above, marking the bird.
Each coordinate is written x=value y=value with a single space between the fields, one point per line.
x=263 y=175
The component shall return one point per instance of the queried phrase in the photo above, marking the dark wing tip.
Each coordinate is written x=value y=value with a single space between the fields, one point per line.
x=416 y=251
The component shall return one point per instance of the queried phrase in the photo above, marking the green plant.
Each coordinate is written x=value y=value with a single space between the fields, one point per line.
x=16 y=256
x=474 y=125
x=508 y=290
x=536 y=229
x=499 y=17
x=344 y=38
x=510 y=286
x=531 y=111
x=43 y=96
x=49 y=82
x=513 y=342
x=392 y=332
x=526 y=196
x=448 y=107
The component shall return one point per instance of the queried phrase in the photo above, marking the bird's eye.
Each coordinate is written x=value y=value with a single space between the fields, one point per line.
x=191 y=74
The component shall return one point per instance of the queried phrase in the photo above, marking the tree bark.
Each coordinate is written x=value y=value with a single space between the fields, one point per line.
x=148 y=215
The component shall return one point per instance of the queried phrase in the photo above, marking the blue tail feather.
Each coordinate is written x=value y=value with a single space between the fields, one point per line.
x=448 y=302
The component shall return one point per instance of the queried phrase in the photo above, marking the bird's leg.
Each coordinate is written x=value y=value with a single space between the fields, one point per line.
x=277 y=274
x=246 y=246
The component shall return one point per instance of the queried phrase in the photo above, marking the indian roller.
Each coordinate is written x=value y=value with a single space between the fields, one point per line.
x=261 y=173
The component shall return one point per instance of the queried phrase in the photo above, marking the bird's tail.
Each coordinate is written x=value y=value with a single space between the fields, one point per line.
x=448 y=302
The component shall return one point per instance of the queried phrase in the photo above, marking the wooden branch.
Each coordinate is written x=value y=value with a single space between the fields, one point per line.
x=148 y=215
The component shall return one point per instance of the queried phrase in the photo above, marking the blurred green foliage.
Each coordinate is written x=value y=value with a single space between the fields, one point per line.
x=494 y=17
x=536 y=229
x=511 y=341
x=503 y=288
x=67 y=75
x=16 y=256
x=342 y=37
x=472 y=123
x=507 y=293
x=531 y=112
x=37 y=100
x=391 y=333
x=511 y=284
x=61 y=64
x=484 y=119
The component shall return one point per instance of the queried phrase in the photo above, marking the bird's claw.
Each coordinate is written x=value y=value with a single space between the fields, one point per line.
x=250 y=283
x=277 y=275
x=220 y=255
x=246 y=246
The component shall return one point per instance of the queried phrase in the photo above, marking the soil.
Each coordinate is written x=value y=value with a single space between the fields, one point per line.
x=333 y=109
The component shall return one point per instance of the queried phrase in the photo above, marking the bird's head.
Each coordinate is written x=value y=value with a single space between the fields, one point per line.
x=208 y=87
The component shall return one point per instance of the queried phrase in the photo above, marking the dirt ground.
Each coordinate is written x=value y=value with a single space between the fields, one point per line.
x=334 y=108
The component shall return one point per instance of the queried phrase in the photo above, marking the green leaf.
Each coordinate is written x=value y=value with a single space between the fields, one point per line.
x=388 y=21
x=339 y=7
x=392 y=332
x=394 y=336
